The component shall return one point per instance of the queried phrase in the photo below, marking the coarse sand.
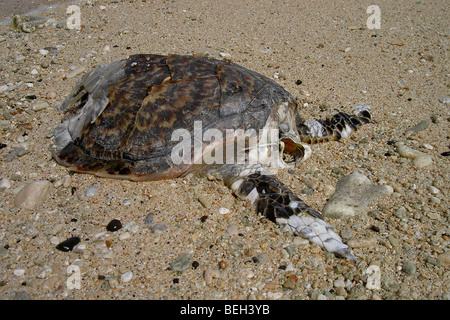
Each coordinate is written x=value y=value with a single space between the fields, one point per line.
x=324 y=53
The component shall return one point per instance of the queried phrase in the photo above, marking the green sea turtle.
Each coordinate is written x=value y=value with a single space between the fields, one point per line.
x=155 y=117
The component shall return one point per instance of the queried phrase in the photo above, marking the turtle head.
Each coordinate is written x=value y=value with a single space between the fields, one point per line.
x=291 y=151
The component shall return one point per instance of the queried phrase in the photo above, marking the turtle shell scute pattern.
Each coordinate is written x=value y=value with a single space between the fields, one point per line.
x=158 y=94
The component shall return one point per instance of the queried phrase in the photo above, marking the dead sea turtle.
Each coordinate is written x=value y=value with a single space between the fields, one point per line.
x=158 y=117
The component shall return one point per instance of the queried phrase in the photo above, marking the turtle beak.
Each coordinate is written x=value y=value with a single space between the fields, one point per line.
x=293 y=153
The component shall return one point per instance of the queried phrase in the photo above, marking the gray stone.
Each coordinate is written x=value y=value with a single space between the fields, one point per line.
x=409 y=267
x=33 y=194
x=353 y=195
x=419 y=158
x=444 y=100
x=149 y=219
x=158 y=228
x=18 y=152
x=346 y=233
x=29 y=24
x=182 y=262
x=422 y=125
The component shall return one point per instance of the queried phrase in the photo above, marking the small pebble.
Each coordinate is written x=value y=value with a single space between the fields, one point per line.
x=126 y=277
x=149 y=219
x=75 y=72
x=91 y=191
x=182 y=262
x=346 y=233
x=261 y=258
x=374 y=277
x=222 y=264
x=362 y=243
x=339 y=283
x=114 y=225
x=420 y=159
x=433 y=190
x=224 y=211
x=33 y=194
x=409 y=267
x=5 y=183
x=68 y=245
x=131 y=226
x=300 y=242
x=204 y=200
x=422 y=125
x=40 y=106
x=19 y=272
x=428 y=146
x=51 y=95
x=124 y=236
x=444 y=100
x=444 y=259
x=393 y=241
x=17 y=152
x=54 y=240
x=289 y=284
x=232 y=230
x=225 y=56
x=22 y=296
x=158 y=228
x=210 y=274
x=435 y=118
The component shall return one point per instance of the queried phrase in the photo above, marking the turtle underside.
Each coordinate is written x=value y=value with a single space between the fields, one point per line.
x=121 y=116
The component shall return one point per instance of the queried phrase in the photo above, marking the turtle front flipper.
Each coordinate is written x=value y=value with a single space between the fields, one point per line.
x=274 y=200
x=340 y=125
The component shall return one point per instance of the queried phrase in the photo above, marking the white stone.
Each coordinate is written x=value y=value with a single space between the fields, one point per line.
x=33 y=194
x=44 y=52
x=339 y=283
x=19 y=272
x=353 y=195
x=5 y=183
x=422 y=161
x=225 y=55
x=75 y=72
x=445 y=100
x=90 y=191
x=40 y=106
x=45 y=273
x=124 y=236
x=433 y=189
x=224 y=210
x=126 y=277
x=374 y=277
x=419 y=158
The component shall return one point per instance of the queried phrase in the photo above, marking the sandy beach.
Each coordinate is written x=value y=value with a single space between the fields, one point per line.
x=330 y=56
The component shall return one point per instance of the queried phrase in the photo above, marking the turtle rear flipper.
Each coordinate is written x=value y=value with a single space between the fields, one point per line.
x=340 y=125
x=275 y=201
